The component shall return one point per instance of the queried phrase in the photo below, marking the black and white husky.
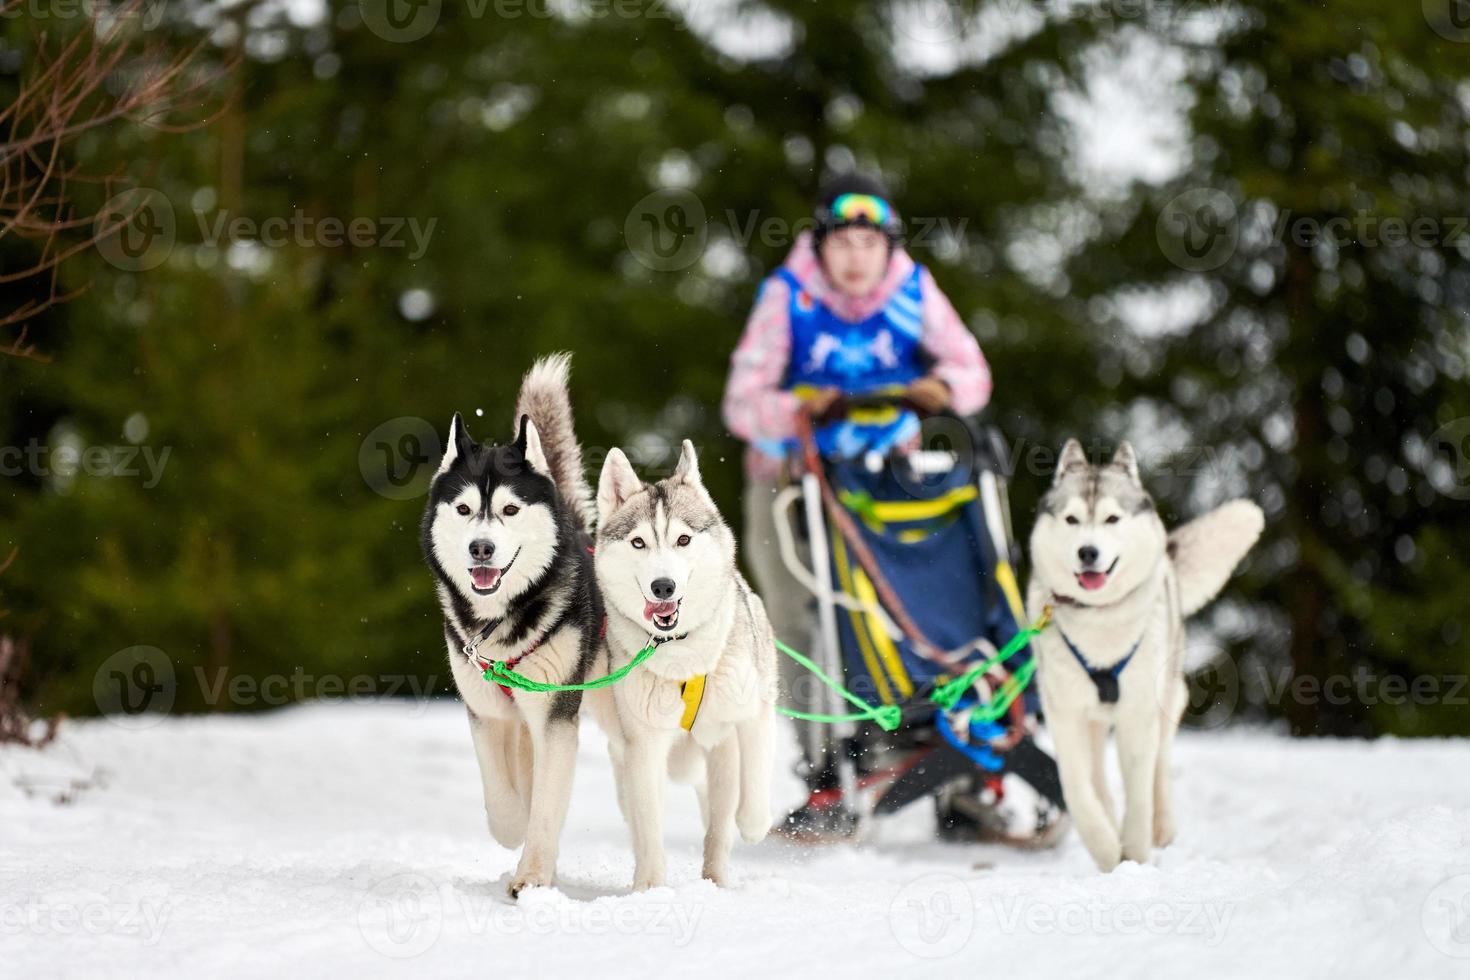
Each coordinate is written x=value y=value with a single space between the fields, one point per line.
x=506 y=533
x=1121 y=587
x=702 y=708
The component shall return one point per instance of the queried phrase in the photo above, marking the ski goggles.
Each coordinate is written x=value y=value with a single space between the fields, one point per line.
x=852 y=209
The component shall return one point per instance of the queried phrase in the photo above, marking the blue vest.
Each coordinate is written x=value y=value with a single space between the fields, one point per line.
x=881 y=353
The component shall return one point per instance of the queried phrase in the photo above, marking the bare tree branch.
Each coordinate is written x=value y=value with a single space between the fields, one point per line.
x=16 y=725
x=102 y=76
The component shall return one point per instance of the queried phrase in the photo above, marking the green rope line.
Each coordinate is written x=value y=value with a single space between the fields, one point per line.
x=888 y=716
x=1009 y=690
x=499 y=673
x=948 y=695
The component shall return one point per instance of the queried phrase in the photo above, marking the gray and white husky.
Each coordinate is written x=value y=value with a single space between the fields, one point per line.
x=1121 y=587
x=702 y=708
x=506 y=534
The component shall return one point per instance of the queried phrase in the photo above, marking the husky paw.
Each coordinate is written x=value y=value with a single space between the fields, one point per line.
x=1136 y=852
x=645 y=878
x=1107 y=852
x=719 y=874
x=753 y=824
x=1164 y=831
x=1096 y=831
x=528 y=879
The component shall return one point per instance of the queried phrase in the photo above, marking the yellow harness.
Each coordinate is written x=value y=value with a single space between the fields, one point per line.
x=692 y=693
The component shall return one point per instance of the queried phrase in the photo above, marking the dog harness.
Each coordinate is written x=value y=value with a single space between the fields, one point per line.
x=473 y=645
x=1105 y=679
x=692 y=693
x=470 y=648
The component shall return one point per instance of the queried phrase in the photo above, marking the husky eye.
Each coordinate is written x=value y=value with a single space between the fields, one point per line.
x=684 y=540
x=464 y=509
x=1112 y=519
x=1072 y=520
x=637 y=543
x=511 y=510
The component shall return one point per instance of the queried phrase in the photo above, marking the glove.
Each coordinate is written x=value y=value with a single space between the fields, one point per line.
x=928 y=394
x=824 y=402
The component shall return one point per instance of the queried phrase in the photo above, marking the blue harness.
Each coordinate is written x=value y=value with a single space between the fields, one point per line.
x=1105 y=680
x=878 y=355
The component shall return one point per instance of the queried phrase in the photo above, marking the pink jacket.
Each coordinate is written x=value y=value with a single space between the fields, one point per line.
x=756 y=406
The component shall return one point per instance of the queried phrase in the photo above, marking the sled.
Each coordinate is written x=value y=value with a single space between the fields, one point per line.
x=912 y=565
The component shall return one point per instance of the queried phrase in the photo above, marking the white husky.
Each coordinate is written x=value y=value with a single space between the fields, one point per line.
x=706 y=699
x=1121 y=587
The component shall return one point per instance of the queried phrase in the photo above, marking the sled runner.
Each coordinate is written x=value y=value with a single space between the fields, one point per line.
x=911 y=563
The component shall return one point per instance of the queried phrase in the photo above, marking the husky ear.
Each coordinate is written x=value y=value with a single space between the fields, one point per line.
x=688 y=469
x=1072 y=458
x=1126 y=460
x=617 y=483
x=459 y=443
x=528 y=444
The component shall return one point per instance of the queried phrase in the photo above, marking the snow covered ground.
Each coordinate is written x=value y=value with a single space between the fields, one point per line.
x=349 y=840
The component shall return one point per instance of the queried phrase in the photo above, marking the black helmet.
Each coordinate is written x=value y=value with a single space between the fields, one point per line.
x=856 y=199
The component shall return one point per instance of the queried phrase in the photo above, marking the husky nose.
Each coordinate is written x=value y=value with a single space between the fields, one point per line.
x=663 y=589
x=1088 y=554
x=481 y=549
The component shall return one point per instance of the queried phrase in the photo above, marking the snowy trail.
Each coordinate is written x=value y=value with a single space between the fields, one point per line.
x=349 y=840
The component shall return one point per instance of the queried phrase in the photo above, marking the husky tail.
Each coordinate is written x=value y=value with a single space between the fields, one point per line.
x=544 y=398
x=1206 y=550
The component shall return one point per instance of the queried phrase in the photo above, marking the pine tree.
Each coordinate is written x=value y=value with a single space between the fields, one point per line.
x=616 y=185
x=270 y=372
x=1318 y=219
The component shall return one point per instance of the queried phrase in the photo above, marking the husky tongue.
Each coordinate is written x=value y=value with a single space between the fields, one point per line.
x=652 y=609
x=485 y=577
x=1092 y=581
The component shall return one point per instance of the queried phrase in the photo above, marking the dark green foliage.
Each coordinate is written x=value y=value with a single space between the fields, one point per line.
x=529 y=141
